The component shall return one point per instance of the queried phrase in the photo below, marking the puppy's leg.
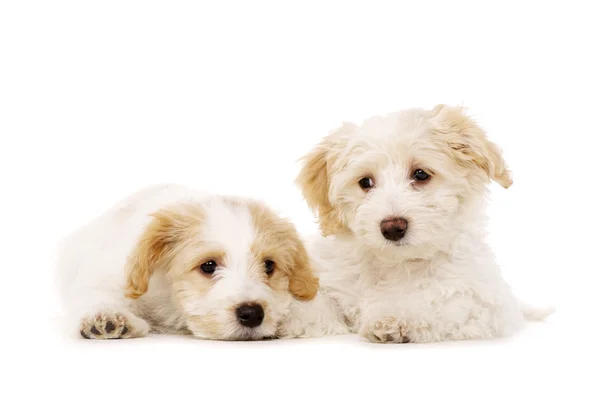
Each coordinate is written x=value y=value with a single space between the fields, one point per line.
x=317 y=317
x=436 y=315
x=102 y=315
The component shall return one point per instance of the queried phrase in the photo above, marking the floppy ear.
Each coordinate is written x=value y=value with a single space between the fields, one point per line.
x=467 y=144
x=278 y=235
x=303 y=283
x=154 y=249
x=313 y=181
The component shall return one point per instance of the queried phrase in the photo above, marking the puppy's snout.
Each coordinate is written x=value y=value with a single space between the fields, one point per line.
x=250 y=315
x=393 y=229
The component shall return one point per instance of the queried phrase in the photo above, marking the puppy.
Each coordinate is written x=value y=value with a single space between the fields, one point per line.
x=400 y=203
x=169 y=259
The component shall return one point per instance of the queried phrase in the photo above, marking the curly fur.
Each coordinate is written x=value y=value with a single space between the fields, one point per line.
x=440 y=281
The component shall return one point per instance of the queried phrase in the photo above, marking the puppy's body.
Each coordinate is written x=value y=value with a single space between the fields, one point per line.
x=406 y=299
x=136 y=268
x=331 y=312
x=430 y=276
x=92 y=263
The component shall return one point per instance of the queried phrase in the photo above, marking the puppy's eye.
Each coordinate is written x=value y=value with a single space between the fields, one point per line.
x=366 y=183
x=269 y=266
x=421 y=175
x=208 y=267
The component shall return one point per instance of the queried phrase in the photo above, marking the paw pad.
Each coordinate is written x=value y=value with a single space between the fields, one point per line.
x=105 y=325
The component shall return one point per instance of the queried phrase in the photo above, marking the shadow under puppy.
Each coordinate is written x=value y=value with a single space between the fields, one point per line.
x=400 y=201
x=169 y=259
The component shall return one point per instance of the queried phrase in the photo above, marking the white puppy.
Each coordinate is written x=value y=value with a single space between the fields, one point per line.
x=170 y=259
x=401 y=202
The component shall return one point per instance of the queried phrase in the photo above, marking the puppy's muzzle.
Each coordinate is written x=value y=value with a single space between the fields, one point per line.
x=393 y=229
x=250 y=315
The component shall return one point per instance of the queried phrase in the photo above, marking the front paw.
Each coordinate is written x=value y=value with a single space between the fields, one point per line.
x=112 y=325
x=385 y=330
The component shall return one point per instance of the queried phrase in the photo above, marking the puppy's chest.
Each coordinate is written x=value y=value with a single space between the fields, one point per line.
x=402 y=278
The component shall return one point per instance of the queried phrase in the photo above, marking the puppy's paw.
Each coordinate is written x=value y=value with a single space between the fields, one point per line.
x=110 y=324
x=385 y=330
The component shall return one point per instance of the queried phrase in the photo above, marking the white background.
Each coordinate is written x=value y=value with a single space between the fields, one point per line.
x=98 y=99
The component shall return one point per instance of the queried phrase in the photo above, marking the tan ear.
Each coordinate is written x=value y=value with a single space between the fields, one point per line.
x=303 y=282
x=279 y=236
x=467 y=143
x=154 y=249
x=313 y=181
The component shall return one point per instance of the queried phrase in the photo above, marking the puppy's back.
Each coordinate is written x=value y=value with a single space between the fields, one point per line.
x=95 y=253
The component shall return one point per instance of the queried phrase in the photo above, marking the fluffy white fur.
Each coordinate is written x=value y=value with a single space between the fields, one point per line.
x=136 y=268
x=440 y=281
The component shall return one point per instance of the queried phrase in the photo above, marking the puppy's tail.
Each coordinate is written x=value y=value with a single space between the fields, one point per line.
x=535 y=313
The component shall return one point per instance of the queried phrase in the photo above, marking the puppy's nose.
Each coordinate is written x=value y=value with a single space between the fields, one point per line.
x=393 y=229
x=250 y=315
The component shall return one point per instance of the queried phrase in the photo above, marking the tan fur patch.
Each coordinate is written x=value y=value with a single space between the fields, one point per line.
x=467 y=144
x=314 y=181
x=158 y=245
x=278 y=240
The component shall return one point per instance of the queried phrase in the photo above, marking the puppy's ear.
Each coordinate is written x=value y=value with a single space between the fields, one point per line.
x=155 y=248
x=278 y=236
x=467 y=143
x=303 y=282
x=313 y=180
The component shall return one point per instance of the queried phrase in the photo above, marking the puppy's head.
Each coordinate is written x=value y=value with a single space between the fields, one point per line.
x=232 y=266
x=406 y=179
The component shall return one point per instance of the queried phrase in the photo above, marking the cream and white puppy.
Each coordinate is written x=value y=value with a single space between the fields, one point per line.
x=400 y=199
x=171 y=259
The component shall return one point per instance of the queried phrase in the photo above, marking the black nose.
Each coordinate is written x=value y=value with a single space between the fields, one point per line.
x=250 y=315
x=394 y=229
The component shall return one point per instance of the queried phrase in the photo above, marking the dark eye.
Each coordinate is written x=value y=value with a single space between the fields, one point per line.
x=366 y=183
x=420 y=175
x=208 y=267
x=269 y=266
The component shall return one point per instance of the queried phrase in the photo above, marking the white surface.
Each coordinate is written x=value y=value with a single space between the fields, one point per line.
x=97 y=100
